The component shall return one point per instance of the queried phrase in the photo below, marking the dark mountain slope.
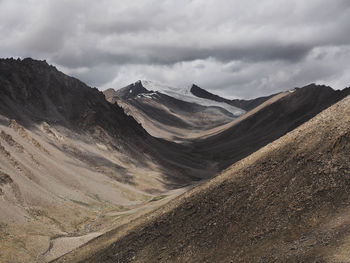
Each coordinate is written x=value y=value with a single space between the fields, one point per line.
x=288 y=202
x=242 y=104
x=32 y=92
x=268 y=124
x=130 y=91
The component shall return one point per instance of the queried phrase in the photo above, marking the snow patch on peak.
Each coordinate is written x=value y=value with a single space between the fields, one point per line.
x=185 y=94
x=156 y=86
x=147 y=95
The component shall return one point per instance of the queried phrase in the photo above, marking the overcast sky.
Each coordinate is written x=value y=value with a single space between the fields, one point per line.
x=244 y=48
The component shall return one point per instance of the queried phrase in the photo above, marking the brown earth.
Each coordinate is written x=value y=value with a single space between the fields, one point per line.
x=287 y=202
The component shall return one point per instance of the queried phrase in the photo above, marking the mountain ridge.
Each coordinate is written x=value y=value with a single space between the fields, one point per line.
x=246 y=105
x=45 y=94
x=171 y=113
x=269 y=123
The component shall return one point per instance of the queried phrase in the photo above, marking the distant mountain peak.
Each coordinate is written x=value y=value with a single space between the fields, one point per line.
x=171 y=112
x=185 y=94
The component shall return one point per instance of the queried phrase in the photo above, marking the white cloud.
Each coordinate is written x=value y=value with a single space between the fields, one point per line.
x=236 y=48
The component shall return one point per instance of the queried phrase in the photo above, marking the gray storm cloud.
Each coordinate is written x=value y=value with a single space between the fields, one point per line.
x=234 y=48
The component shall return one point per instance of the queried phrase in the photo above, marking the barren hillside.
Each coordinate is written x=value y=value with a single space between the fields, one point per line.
x=72 y=165
x=287 y=202
x=266 y=123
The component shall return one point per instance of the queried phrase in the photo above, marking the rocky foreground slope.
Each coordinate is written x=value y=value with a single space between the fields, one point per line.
x=287 y=202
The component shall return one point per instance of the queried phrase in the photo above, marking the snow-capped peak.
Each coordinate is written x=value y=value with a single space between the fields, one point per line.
x=162 y=88
x=185 y=94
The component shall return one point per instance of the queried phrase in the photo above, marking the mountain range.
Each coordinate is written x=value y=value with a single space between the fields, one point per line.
x=126 y=175
x=171 y=113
